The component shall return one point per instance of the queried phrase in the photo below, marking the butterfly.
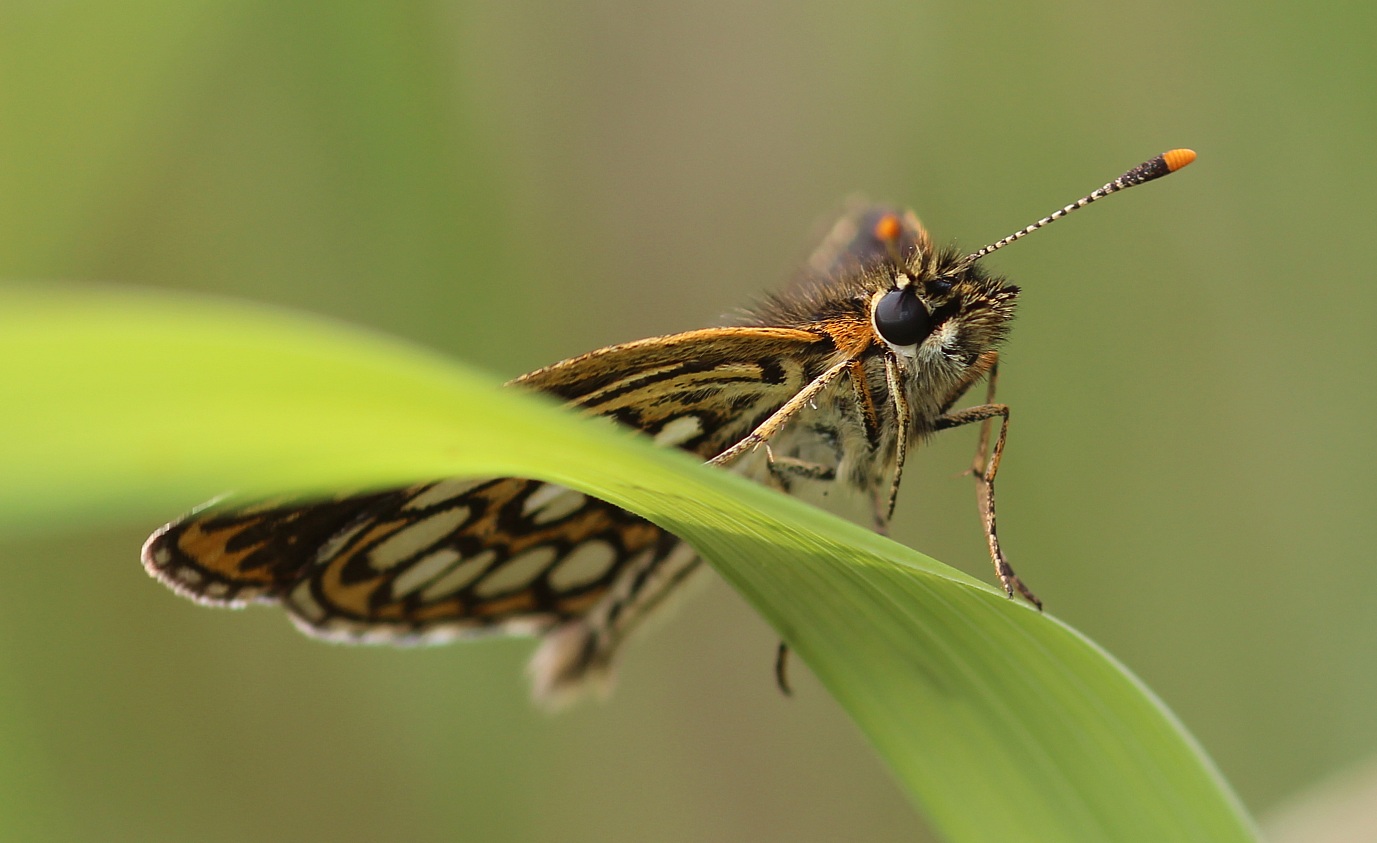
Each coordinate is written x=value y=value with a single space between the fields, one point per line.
x=829 y=384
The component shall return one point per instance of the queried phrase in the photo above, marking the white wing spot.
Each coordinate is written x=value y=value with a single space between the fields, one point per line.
x=414 y=538
x=551 y=503
x=443 y=491
x=216 y=589
x=424 y=570
x=459 y=576
x=516 y=572
x=304 y=603
x=335 y=543
x=190 y=576
x=678 y=431
x=587 y=563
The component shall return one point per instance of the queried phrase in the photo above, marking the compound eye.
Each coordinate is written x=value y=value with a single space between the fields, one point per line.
x=901 y=319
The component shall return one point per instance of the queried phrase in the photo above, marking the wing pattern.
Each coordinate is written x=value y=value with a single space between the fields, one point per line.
x=464 y=557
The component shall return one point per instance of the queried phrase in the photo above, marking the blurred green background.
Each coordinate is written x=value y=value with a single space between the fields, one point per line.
x=1188 y=478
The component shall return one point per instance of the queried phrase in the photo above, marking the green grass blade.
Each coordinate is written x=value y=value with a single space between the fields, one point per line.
x=1001 y=723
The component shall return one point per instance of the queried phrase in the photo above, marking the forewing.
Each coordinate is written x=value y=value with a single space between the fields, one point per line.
x=701 y=391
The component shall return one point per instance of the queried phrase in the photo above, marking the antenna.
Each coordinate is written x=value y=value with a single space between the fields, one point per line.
x=1167 y=162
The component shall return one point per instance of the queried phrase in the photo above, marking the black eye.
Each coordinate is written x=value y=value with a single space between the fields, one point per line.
x=901 y=319
x=938 y=287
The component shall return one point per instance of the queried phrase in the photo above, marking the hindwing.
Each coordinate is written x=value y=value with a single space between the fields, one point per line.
x=468 y=556
x=864 y=238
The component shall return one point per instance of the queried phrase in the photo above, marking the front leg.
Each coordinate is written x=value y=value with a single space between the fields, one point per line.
x=785 y=469
x=985 y=467
x=772 y=425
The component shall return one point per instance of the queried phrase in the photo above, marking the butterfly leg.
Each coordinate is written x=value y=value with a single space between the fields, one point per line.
x=985 y=467
x=782 y=669
x=785 y=469
x=778 y=418
x=903 y=415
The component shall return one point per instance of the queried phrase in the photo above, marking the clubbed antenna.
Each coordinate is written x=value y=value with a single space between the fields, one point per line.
x=1167 y=162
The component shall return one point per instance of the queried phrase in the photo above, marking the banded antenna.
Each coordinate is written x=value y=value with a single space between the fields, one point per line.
x=1164 y=164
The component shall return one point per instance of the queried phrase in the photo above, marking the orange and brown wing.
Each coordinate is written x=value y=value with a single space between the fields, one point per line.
x=701 y=391
x=429 y=562
x=461 y=557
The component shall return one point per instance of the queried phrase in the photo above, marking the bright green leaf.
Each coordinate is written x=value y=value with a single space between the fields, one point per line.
x=1002 y=723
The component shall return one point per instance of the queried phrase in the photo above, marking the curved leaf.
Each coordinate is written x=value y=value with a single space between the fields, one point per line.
x=1002 y=723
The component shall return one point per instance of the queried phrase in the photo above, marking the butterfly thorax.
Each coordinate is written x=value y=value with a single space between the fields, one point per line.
x=859 y=420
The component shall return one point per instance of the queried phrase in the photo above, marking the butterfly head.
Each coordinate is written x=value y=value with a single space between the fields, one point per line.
x=941 y=308
x=942 y=311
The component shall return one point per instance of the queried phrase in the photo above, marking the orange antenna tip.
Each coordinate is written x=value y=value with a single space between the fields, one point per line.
x=1178 y=158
